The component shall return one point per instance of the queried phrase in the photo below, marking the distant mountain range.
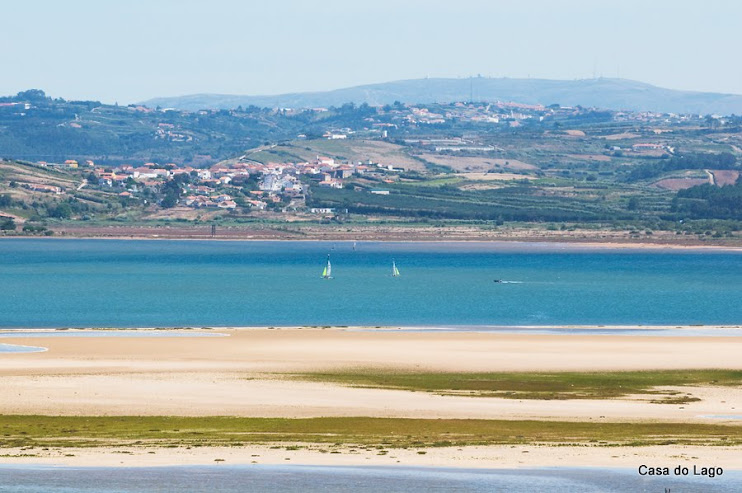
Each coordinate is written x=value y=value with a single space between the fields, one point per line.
x=617 y=94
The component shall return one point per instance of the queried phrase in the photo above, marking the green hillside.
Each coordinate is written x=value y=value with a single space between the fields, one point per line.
x=480 y=164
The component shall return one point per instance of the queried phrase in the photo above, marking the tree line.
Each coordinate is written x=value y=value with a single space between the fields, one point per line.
x=646 y=171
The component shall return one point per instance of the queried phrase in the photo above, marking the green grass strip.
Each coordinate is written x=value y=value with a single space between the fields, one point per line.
x=77 y=431
x=530 y=385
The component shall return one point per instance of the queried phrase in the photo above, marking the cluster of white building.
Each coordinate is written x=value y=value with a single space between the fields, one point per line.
x=284 y=178
x=210 y=187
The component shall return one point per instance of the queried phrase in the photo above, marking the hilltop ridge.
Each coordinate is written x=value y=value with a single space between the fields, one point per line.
x=601 y=92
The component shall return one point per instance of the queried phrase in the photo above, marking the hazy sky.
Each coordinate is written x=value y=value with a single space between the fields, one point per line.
x=132 y=50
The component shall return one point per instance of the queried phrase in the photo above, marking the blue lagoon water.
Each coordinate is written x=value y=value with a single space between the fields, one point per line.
x=154 y=334
x=131 y=283
x=299 y=479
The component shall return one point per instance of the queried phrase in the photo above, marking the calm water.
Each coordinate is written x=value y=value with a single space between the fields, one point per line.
x=109 y=283
x=108 y=333
x=14 y=348
x=299 y=479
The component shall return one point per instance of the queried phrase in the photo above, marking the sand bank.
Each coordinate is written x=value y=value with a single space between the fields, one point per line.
x=307 y=349
x=244 y=374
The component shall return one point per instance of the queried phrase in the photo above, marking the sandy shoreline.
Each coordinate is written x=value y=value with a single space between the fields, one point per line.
x=549 y=243
x=227 y=330
x=310 y=348
x=248 y=374
x=487 y=457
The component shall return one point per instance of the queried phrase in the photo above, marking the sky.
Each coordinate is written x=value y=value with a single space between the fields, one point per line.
x=133 y=50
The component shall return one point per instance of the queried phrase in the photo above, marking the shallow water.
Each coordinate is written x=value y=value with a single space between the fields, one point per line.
x=619 y=331
x=263 y=478
x=131 y=283
x=107 y=333
x=14 y=348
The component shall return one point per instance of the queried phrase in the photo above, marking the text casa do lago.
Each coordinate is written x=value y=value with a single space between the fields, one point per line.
x=645 y=470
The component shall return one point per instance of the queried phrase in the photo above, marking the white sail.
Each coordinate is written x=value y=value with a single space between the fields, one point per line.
x=327 y=271
x=395 y=271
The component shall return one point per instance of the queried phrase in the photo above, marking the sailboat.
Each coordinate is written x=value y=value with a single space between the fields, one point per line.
x=327 y=272
x=395 y=271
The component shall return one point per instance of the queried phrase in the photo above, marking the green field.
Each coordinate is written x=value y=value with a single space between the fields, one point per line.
x=513 y=203
x=547 y=386
x=79 y=431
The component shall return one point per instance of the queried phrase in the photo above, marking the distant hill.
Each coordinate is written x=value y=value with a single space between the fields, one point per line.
x=602 y=93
